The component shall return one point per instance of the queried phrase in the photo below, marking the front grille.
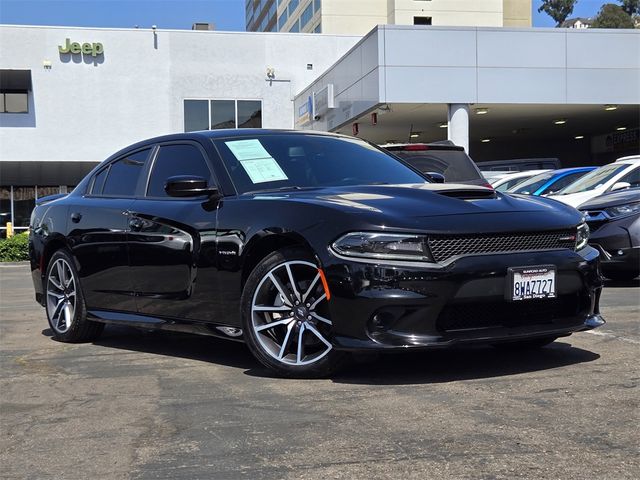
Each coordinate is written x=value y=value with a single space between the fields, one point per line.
x=445 y=247
x=471 y=316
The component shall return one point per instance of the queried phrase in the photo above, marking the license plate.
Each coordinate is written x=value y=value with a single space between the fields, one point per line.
x=527 y=283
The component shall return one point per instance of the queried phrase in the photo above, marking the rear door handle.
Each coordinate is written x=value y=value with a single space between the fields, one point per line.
x=76 y=217
x=135 y=224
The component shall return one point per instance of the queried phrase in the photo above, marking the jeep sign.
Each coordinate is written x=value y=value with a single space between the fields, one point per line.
x=93 y=49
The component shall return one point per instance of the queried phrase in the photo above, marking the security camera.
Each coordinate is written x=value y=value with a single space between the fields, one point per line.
x=317 y=117
x=153 y=27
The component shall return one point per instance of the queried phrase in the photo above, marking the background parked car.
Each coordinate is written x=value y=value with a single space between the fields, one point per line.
x=550 y=182
x=614 y=220
x=623 y=173
x=520 y=164
x=444 y=158
x=505 y=182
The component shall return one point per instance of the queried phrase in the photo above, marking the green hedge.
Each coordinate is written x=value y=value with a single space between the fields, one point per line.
x=15 y=249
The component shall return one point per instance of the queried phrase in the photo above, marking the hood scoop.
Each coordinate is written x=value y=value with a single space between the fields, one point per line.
x=466 y=192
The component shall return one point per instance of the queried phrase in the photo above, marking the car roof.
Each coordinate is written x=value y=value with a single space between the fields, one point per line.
x=631 y=159
x=439 y=145
x=574 y=169
x=221 y=133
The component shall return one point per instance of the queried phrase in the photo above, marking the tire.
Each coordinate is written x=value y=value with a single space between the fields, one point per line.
x=530 y=344
x=64 y=302
x=288 y=329
x=621 y=275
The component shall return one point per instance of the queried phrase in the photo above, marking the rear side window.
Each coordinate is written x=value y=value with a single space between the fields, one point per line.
x=124 y=174
x=98 y=181
x=175 y=160
x=455 y=165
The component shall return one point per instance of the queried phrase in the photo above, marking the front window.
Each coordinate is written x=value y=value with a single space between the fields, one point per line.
x=594 y=179
x=296 y=161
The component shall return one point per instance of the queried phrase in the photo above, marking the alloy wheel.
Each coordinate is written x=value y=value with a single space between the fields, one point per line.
x=61 y=296
x=289 y=314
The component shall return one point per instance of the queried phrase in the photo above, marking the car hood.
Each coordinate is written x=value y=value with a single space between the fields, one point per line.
x=612 y=199
x=411 y=206
x=575 y=199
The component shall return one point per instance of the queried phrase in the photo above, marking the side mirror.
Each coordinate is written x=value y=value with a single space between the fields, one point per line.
x=619 y=186
x=436 y=177
x=188 y=186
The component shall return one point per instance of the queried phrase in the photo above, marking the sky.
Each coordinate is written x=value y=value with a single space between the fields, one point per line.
x=179 y=14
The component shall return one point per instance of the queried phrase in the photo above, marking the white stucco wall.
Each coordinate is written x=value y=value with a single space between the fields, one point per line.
x=86 y=108
x=406 y=64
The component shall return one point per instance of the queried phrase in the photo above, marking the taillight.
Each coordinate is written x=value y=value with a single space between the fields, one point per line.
x=415 y=148
x=488 y=185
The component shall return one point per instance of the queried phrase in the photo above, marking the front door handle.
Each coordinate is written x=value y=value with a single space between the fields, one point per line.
x=135 y=224
x=76 y=217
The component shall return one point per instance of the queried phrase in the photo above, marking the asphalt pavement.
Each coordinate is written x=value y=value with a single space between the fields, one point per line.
x=146 y=405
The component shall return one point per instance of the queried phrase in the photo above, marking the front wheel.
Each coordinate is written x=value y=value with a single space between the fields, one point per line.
x=66 y=311
x=285 y=316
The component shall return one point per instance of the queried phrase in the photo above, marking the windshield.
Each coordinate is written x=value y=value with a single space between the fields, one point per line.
x=455 y=165
x=295 y=161
x=594 y=179
x=532 y=184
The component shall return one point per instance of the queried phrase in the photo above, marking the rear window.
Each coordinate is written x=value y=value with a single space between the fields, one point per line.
x=455 y=165
x=532 y=184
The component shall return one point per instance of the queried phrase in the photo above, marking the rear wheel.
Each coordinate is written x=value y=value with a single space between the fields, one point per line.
x=530 y=344
x=286 y=319
x=66 y=311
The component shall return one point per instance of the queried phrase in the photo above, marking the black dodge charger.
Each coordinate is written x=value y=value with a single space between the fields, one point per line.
x=307 y=246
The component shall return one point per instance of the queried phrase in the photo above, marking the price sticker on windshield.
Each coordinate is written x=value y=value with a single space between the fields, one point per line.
x=259 y=165
x=529 y=283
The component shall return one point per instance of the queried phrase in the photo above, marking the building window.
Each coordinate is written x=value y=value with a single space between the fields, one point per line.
x=306 y=16
x=316 y=5
x=422 y=20
x=17 y=203
x=293 y=4
x=295 y=28
x=283 y=19
x=216 y=114
x=14 y=91
x=318 y=28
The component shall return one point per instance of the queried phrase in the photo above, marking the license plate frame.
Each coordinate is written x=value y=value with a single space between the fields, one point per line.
x=533 y=282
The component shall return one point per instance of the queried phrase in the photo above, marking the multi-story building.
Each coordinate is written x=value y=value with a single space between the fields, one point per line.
x=360 y=16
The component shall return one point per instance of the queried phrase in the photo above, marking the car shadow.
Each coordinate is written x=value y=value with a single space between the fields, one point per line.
x=461 y=363
x=622 y=283
x=417 y=367
x=174 y=344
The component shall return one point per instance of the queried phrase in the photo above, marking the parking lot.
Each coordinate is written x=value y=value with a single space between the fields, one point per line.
x=161 y=405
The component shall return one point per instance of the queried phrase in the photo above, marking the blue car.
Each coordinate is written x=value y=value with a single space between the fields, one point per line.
x=551 y=182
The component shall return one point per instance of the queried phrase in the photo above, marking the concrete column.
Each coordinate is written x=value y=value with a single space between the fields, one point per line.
x=458 y=131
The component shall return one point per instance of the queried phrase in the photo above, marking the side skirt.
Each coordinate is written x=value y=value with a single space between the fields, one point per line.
x=174 y=325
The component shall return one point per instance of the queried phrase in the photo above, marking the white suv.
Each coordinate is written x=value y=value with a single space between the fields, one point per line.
x=623 y=173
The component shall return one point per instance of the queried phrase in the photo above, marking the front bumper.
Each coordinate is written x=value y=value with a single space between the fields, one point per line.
x=378 y=307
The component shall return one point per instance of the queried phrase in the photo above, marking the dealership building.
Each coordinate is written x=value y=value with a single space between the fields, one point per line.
x=69 y=97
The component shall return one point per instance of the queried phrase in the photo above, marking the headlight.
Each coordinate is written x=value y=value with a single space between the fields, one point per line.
x=623 y=210
x=582 y=236
x=384 y=246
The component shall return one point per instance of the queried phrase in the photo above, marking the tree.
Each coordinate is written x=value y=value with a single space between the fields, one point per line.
x=559 y=10
x=612 y=16
x=630 y=6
